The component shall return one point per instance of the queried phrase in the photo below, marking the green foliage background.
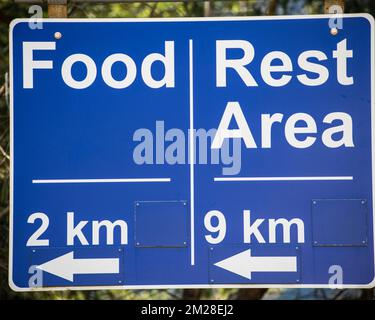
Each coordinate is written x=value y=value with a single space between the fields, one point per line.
x=9 y=10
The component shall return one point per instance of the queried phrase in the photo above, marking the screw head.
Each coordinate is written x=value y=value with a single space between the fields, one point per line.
x=334 y=31
x=137 y=204
x=58 y=35
x=137 y=243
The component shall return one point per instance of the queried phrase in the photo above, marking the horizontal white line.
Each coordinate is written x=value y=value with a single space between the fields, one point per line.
x=326 y=178
x=130 y=180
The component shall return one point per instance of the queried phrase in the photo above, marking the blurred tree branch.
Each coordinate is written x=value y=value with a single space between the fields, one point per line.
x=4 y=154
x=191 y=294
x=272 y=7
x=3 y=212
x=248 y=294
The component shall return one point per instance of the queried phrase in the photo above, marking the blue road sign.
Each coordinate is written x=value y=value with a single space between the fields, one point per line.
x=223 y=152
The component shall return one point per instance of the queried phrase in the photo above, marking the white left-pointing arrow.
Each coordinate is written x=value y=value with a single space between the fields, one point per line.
x=66 y=266
x=244 y=264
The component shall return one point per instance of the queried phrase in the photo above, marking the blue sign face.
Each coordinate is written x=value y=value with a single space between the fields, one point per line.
x=192 y=153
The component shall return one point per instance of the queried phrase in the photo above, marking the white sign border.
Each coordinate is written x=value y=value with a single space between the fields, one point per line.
x=14 y=287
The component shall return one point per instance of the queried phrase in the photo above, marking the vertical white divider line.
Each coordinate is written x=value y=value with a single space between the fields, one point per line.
x=191 y=154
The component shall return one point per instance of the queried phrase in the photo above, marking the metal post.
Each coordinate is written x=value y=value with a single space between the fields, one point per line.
x=330 y=3
x=207 y=8
x=57 y=9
